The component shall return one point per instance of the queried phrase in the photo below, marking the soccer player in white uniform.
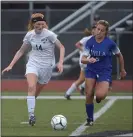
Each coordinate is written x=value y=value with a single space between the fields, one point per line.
x=41 y=59
x=81 y=80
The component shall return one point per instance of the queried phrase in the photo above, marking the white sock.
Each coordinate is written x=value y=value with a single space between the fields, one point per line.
x=83 y=85
x=31 y=104
x=71 y=89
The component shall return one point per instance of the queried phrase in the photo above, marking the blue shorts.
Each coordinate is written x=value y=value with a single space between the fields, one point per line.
x=104 y=75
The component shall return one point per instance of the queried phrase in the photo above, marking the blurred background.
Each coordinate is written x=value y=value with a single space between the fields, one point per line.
x=68 y=20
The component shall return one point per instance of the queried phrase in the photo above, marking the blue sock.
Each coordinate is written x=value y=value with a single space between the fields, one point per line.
x=89 y=111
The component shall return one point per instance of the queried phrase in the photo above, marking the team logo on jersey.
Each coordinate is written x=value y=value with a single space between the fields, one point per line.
x=97 y=53
x=44 y=40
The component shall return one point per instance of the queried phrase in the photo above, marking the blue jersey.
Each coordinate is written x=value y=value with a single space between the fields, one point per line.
x=102 y=51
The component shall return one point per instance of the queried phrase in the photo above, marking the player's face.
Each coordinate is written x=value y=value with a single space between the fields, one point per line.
x=100 y=31
x=38 y=26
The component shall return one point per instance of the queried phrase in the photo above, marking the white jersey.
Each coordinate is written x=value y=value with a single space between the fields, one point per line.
x=83 y=42
x=42 y=53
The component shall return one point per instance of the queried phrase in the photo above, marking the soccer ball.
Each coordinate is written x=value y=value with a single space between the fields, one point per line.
x=59 y=122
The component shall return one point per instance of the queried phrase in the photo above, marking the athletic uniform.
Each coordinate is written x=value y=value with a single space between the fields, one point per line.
x=82 y=66
x=83 y=42
x=101 y=70
x=41 y=57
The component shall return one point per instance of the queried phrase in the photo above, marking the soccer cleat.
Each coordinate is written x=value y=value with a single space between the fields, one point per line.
x=82 y=91
x=67 y=97
x=89 y=122
x=32 y=120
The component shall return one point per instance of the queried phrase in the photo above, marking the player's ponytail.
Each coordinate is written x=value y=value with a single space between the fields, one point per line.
x=87 y=32
x=30 y=26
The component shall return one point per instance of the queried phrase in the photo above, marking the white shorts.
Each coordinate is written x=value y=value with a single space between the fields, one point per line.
x=43 y=74
x=82 y=66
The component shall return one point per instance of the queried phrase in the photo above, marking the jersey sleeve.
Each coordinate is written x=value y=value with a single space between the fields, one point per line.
x=115 y=48
x=86 y=50
x=52 y=37
x=55 y=35
x=84 y=40
x=26 y=39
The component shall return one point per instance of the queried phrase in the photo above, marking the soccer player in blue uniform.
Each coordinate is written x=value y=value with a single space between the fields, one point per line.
x=98 y=57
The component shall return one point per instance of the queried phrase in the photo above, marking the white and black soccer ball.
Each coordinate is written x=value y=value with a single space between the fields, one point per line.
x=59 y=122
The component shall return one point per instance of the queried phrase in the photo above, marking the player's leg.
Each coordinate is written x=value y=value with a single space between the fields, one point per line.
x=102 y=86
x=89 y=89
x=81 y=79
x=44 y=77
x=75 y=85
x=32 y=81
x=38 y=89
x=90 y=84
x=101 y=90
x=82 y=88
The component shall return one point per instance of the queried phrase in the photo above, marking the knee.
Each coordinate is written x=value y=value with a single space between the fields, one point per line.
x=32 y=88
x=101 y=96
x=89 y=94
x=89 y=97
x=89 y=91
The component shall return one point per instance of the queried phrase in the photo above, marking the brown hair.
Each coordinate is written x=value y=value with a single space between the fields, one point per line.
x=87 y=32
x=30 y=24
x=104 y=23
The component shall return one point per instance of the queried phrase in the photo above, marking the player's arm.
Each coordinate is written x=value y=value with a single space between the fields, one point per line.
x=86 y=59
x=119 y=55
x=17 y=56
x=62 y=50
x=79 y=45
x=60 y=46
x=121 y=62
x=57 y=43
x=62 y=53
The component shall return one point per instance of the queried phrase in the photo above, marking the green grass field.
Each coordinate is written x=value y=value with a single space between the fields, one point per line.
x=14 y=112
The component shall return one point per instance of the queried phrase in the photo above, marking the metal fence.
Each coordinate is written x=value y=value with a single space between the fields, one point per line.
x=14 y=27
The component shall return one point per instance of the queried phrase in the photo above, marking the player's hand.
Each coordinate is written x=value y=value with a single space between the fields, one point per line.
x=92 y=60
x=6 y=69
x=60 y=67
x=123 y=74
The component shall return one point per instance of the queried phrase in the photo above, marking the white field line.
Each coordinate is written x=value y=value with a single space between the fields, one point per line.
x=62 y=97
x=82 y=128
x=25 y=123
x=127 y=135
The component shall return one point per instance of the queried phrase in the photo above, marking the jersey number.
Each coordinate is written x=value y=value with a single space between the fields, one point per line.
x=39 y=47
